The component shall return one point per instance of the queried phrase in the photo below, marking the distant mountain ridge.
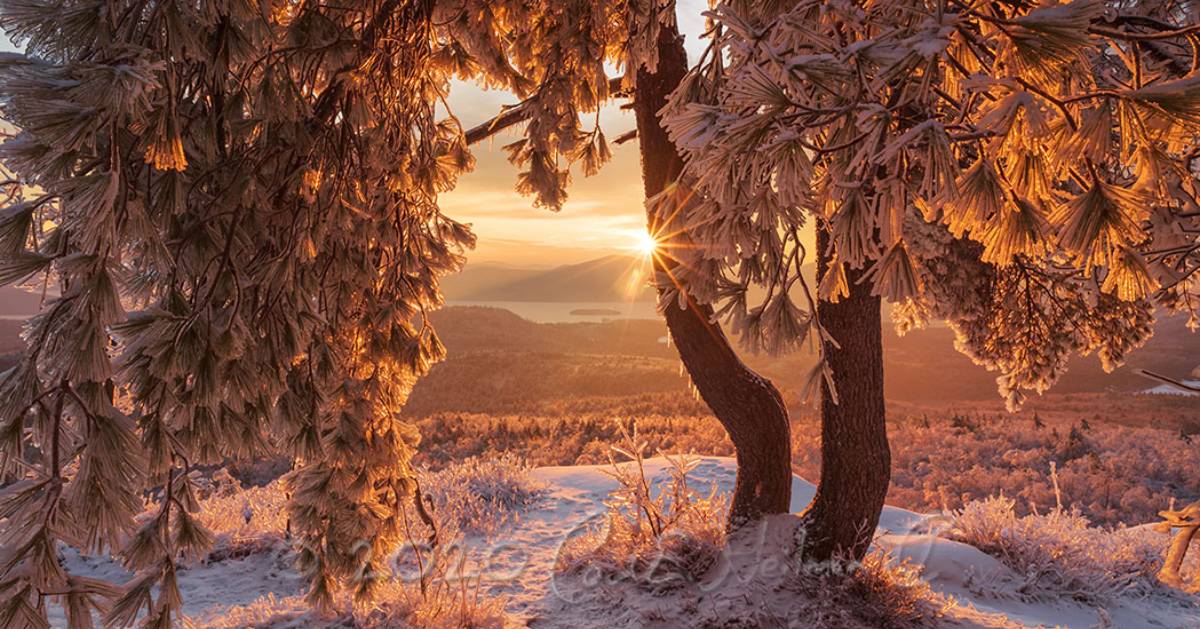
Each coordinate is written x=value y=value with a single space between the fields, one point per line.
x=487 y=345
x=607 y=279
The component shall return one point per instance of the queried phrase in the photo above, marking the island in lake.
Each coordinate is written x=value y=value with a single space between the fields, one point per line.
x=595 y=312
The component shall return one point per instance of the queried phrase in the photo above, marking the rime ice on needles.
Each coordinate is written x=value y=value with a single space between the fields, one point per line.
x=238 y=206
x=1021 y=170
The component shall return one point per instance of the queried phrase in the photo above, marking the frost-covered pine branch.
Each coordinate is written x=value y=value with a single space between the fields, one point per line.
x=1023 y=170
x=233 y=211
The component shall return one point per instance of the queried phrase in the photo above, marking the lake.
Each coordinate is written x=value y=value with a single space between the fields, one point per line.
x=570 y=312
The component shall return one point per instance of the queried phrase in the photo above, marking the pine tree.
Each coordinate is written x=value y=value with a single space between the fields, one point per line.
x=1023 y=170
x=233 y=210
x=236 y=206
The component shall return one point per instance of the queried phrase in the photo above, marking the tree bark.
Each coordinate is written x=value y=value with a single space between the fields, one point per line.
x=855 y=457
x=1169 y=573
x=747 y=405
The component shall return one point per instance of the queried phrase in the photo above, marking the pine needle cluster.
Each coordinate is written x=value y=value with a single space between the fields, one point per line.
x=1050 y=144
x=232 y=210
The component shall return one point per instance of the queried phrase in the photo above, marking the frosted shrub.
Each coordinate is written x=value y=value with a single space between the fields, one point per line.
x=459 y=604
x=655 y=532
x=268 y=611
x=247 y=511
x=752 y=578
x=875 y=592
x=219 y=483
x=579 y=433
x=435 y=587
x=479 y=495
x=1127 y=476
x=446 y=597
x=1059 y=554
x=474 y=497
x=429 y=586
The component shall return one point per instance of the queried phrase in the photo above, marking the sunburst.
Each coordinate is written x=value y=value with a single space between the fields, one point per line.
x=644 y=244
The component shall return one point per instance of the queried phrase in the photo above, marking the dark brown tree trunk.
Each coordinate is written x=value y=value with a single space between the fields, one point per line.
x=747 y=405
x=855 y=457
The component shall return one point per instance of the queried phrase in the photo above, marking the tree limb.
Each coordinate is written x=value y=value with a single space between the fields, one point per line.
x=515 y=114
x=625 y=137
x=1171 y=381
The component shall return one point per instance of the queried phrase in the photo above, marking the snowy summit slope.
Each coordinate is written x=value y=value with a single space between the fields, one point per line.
x=257 y=587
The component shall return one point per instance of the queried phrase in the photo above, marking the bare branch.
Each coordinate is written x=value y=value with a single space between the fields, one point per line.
x=515 y=114
x=1171 y=381
x=625 y=137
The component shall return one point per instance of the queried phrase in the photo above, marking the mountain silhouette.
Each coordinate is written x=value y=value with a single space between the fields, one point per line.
x=607 y=279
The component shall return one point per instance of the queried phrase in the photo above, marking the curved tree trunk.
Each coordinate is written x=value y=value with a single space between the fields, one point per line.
x=855 y=457
x=747 y=405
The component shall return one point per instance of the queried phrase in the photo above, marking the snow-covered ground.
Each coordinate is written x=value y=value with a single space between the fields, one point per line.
x=1168 y=389
x=518 y=561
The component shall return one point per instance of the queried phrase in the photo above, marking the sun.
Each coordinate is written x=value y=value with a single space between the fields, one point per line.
x=644 y=243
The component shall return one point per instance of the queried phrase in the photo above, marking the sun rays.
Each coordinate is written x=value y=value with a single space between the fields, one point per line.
x=644 y=244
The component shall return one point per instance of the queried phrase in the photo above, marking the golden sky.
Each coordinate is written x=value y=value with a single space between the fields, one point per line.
x=604 y=214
